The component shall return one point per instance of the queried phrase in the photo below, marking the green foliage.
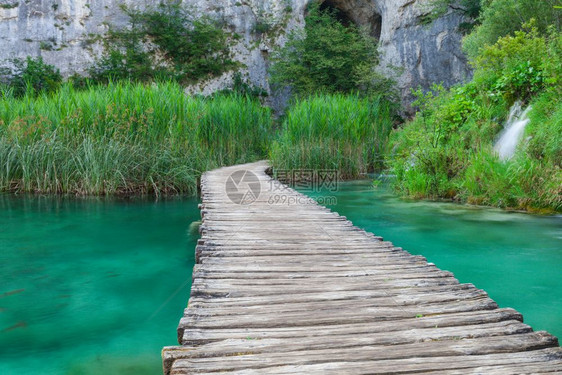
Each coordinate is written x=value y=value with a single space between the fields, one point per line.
x=125 y=56
x=164 y=43
x=336 y=132
x=523 y=183
x=328 y=57
x=468 y=8
x=125 y=138
x=10 y=6
x=471 y=8
x=514 y=65
x=196 y=47
x=240 y=86
x=503 y=17
x=45 y=46
x=446 y=150
x=31 y=76
x=522 y=81
x=262 y=26
x=546 y=129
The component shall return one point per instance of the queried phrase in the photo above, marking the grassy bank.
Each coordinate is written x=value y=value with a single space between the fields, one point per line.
x=447 y=150
x=128 y=138
x=336 y=132
x=125 y=138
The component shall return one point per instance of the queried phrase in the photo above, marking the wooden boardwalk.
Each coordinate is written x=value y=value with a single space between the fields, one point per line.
x=292 y=288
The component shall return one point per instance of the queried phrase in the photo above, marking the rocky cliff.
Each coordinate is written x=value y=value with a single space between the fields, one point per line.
x=61 y=32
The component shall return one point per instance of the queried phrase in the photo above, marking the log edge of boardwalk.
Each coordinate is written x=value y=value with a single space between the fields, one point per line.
x=286 y=286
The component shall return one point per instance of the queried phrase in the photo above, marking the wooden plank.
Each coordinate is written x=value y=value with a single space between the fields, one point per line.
x=329 y=315
x=194 y=336
x=250 y=356
x=398 y=293
x=484 y=335
x=477 y=364
x=320 y=301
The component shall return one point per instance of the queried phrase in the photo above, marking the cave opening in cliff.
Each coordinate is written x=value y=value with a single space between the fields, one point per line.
x=356 y=12
x=340 y=15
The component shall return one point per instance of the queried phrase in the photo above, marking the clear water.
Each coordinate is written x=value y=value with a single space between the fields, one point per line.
x=92 y=286
x=516 y=258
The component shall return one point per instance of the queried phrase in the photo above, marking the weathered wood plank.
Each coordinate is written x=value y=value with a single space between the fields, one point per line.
x=251 y=358
x=195 y=336
x=477 y=364
x=398 y=293
x=329 y=315
x=352 y=339
x=343 y=300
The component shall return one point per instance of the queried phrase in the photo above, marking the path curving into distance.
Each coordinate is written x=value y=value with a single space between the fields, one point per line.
x=285 y=286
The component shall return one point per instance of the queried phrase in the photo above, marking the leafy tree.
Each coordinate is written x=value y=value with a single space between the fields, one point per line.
x=329 y=57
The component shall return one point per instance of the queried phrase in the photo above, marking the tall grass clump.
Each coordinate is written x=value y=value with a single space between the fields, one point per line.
x=336 y=132
x=125 y=138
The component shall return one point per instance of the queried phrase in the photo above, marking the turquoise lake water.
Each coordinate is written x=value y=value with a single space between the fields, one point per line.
x=92 y=286
x=97 y=286
x=515 y=257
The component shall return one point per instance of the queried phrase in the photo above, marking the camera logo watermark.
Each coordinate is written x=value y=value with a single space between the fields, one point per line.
x=243 y=187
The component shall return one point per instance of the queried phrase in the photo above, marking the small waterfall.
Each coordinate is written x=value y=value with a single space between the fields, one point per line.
x=513 y=132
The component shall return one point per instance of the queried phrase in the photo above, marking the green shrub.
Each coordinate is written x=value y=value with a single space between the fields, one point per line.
x=125 y=138
x=328 y=57
x=164 y=43
x=335 y=132
x=514 y=65
x=241 y=86
x=32 y=76
x=125 y=58
x=196 y=47
x=503 y=17
x=9 y=6
x=262 y=26
x=428 y=153
x=460 y=163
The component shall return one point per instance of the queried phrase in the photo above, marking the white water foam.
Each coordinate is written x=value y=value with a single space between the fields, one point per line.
x=513 y=132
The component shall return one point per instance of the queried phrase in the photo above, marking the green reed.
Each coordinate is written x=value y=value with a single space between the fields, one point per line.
x=125 y=138
x=339 y=132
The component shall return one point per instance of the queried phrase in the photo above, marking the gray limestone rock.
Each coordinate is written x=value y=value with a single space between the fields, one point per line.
x=62 y=31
